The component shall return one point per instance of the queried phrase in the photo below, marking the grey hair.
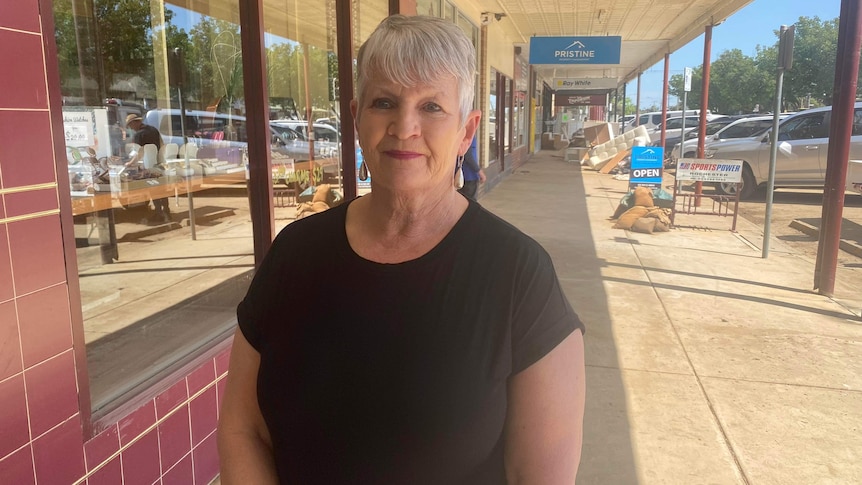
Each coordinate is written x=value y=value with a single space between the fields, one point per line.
x=414 y=50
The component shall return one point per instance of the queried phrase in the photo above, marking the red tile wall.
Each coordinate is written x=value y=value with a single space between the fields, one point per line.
x=171 y=438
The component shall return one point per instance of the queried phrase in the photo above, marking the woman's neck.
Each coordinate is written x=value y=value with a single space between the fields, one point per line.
x=393 y=228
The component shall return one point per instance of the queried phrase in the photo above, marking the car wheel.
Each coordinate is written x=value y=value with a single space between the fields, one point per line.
x=746 y=187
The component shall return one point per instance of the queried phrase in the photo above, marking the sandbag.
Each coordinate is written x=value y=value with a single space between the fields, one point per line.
x=643 y=196
x=630 y=216
x=644 y=224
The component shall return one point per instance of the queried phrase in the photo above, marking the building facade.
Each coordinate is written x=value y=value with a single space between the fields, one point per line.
x=116 y=318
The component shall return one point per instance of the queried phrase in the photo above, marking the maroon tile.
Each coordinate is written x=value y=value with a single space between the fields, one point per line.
x=222 y=361
x=175 y=437
x=17 y=468
x=201 y=377
x=26 y=135
x=20 y=15
x=58 y=455
x=10 y=350
x=171 y=398
x=205 y=459
x=141 y=461
x=110 y=474
x=204 y=415
x=180 y=474
x=31 y=201
x=137 y=422
x=36 y=247
x=6 y=288
x=14 y=431
x=24 y=84
x=46 y=324
x=101 y=447
x=52 y=392
x=2 y=204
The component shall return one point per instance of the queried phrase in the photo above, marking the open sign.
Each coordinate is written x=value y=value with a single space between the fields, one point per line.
x=646 y=167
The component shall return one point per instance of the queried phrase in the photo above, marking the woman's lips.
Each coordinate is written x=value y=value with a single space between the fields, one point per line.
x=402 y=155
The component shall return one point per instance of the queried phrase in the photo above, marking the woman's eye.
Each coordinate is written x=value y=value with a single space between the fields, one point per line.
x=433 y=107
x=381 y=103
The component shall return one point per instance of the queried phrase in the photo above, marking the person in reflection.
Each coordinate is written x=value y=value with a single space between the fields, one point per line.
x=145 y=135
x=408 y=336
x=473 y=174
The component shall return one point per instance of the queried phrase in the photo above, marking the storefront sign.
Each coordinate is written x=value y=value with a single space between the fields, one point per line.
x=585 y=100
x=646 y=167
x=575 y=50
x=586 y=83
x=709 y=170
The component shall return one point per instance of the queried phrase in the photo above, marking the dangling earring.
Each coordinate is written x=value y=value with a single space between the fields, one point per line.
x=363 y=171
x=459 y=173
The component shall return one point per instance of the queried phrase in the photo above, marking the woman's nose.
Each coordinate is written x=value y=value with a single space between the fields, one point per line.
x=404 y=125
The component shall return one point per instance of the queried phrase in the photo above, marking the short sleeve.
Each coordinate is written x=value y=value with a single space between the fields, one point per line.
x=542 y=316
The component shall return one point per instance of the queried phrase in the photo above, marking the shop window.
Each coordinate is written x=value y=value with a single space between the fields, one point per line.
x=493 y=128
x=428 y=7
x=161 y=219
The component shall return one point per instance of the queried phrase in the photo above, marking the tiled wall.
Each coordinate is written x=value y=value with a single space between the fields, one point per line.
x=169 y=440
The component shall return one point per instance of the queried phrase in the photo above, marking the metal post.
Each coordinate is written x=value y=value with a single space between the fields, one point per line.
x=664 y=98
x=773 y=154
x=187 y=177
x=623 y=118
x=704 y=106
x=638 y=103
x=840 y=131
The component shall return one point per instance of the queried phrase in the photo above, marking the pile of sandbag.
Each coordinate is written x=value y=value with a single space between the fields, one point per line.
x=643 y=215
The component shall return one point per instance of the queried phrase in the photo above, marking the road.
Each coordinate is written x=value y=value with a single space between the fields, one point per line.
x=805 y=205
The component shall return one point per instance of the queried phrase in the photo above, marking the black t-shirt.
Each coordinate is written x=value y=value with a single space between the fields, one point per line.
x=397 y=373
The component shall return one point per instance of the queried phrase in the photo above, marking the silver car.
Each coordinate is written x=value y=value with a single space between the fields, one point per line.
x=803 y=139
x=741 y=128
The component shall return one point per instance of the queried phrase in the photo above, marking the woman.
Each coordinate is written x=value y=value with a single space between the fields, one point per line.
x=409 y=336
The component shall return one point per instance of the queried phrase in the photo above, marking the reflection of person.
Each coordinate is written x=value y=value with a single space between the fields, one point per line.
x=408 y=336
x=146 y=135
x=473 y=174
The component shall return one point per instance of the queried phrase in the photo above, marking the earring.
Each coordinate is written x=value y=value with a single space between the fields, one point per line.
x=363 y=171
x=459 y=173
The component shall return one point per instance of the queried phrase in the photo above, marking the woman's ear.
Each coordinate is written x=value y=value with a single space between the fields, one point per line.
x=471 y=126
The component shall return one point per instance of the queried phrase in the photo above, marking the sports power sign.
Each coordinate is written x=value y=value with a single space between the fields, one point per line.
x=575 y=50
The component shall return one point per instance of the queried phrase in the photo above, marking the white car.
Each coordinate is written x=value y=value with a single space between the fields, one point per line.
x=803 y=140
x=741 y=128
x=674 y=126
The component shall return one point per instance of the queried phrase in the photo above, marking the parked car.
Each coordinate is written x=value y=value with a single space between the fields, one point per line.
x=803 y=140
x=207 y=129
x=722 y=130
x=674 y=126
x=671 y=144
x=654 y=118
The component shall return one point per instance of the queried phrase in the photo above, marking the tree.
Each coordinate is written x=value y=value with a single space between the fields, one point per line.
x=737 y=85
x=630 y=106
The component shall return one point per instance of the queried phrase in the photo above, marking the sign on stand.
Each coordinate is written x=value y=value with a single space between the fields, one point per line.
x=646 y=167
x=711 y=171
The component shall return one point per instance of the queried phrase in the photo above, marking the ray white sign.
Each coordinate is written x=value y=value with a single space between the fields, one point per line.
x=586 y=83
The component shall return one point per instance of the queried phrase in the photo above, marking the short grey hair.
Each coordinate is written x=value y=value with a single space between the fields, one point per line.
x=414 y=50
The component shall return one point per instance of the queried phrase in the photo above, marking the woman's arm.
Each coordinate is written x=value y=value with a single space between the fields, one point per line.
x=244 y=444
x=544 y=422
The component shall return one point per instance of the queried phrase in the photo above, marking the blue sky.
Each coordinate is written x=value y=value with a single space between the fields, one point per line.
x=755 y=24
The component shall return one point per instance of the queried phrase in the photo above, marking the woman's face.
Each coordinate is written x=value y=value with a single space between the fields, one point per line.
x=410 y=136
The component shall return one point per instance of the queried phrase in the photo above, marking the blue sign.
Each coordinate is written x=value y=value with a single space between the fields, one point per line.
x=646 y=167
x=575 y=50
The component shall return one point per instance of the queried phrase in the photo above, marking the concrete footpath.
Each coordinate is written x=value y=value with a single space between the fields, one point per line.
x=706 y=364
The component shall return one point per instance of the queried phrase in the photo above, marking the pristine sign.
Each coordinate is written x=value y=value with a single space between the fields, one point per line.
x=575 y=50
x=709 y=170
x=646 y=167
x=586 y=83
